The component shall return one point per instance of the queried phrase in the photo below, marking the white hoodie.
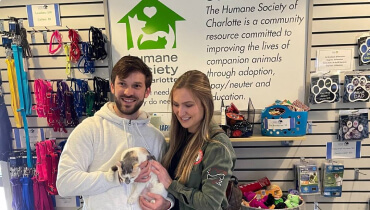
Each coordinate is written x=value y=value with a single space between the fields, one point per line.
x=96 y=145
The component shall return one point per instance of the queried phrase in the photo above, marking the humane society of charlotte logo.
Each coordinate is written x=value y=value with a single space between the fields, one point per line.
x=151 y=25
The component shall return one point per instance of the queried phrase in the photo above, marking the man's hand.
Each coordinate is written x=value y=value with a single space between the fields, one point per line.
x=157 y=202
x=161 y=173
x=144 y=175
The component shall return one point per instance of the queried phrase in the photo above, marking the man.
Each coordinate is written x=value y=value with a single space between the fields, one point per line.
x=97 y=143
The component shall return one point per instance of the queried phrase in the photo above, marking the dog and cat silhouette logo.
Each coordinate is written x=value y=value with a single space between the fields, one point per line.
x=151 y=25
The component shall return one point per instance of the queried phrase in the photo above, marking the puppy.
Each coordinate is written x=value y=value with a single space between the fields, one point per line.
x=128 y=170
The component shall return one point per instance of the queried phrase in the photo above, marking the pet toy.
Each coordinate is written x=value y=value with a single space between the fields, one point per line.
x=293 y=201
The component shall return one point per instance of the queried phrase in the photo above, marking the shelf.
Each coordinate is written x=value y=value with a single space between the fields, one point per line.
x=257 y=138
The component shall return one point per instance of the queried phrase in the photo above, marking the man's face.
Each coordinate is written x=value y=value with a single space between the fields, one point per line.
x=129 y=95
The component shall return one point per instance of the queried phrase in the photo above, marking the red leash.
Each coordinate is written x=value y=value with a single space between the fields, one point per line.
x=47 y=164
x=75 y=52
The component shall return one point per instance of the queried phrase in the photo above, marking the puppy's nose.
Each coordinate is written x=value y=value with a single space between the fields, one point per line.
x=127 y=180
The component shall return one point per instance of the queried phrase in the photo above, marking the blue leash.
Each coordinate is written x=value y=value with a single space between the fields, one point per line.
x=27 y=193
x=24 y=96
x=89 y=66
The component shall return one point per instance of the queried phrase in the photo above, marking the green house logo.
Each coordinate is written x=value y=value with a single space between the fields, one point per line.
x=151 y=25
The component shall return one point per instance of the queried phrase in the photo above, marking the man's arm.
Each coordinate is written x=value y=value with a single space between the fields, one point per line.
x=73 y=178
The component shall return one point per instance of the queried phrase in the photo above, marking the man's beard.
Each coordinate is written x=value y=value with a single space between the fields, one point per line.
x=125 y=110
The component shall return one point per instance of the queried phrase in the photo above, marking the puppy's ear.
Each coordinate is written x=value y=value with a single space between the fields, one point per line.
x=150 y=157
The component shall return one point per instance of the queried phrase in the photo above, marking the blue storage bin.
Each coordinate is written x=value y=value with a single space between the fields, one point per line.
x=289 y=123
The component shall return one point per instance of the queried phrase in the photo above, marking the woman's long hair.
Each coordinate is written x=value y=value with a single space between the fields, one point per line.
x=198 y=84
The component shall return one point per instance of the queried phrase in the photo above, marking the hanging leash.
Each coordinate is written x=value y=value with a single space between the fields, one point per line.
x=75 y=51
x=56 y=105
x=62 y=89
x=17 y=202
x=101 y=89
x=47 y=164
x=27 y=53
x=97 y=43
x=42 y=198
x=13 y=86
x=71 y=117
x=40 y=173
x=36 y=193
x=38 y=89
x=89 y=66
x=22 y=80
x=52 y=159
x=24 y=97
x=27 y=191
x=79 y=91
x=41 y=88
x=68 y=61
x=89 y=98
x=56 y=35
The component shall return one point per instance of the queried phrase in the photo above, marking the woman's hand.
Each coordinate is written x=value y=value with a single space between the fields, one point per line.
x=161 y=173
x=144 y=175
x=157 y=202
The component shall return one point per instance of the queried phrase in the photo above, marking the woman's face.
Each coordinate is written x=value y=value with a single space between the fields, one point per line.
x=188 y=109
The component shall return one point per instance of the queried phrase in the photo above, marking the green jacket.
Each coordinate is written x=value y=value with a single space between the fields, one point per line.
x=208 y=180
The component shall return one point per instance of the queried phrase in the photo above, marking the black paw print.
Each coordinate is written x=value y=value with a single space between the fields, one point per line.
x=324 y=91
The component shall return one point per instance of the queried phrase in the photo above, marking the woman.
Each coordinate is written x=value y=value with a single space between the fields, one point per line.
x=200 y=159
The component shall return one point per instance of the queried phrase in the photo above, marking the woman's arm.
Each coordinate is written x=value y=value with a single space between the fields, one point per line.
x=217 y=169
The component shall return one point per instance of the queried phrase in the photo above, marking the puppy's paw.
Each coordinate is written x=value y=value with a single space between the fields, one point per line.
x=111 y=174
x=132 y=199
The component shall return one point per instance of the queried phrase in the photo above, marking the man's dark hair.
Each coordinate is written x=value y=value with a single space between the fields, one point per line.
x=129 y=64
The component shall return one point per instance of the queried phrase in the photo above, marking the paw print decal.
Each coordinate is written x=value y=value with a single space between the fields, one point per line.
x=353 y=125
x=364 y=49
x=324 y=91
x=358 y=89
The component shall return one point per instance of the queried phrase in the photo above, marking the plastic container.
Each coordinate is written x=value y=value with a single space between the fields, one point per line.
x=300 y=207
x=288 y=123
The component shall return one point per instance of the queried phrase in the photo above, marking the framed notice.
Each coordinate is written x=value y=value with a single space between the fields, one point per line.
x=43 y=15
x=340 y=150
x=335 y=60
x=35 y=135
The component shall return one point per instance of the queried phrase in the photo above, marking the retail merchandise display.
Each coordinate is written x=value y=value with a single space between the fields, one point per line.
x=284 y=118
x=332 y=180
x=356 y=88
x=364 y=50
x=17 y=52
x=62 y=102
x=33 y=188
x=254 y=186
x=307 y=177
x=234 y=123
x=353 y=124
x=324 y=89
x=58 y=102
x=71 y=100
x=261 y=194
